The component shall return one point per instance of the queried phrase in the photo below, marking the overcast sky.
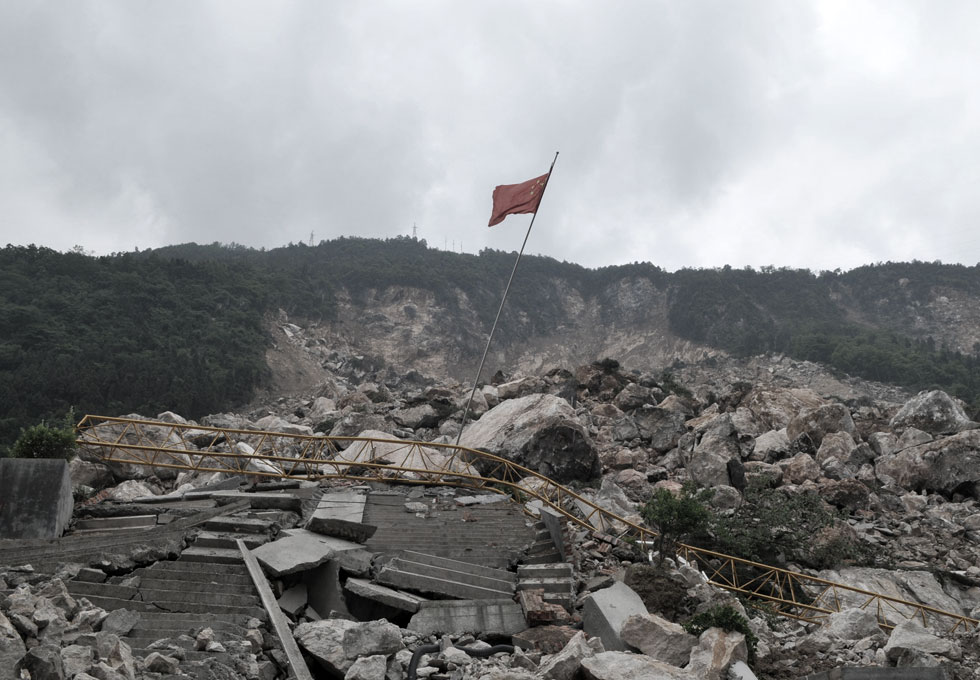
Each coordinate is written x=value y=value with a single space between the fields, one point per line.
x=692 y=133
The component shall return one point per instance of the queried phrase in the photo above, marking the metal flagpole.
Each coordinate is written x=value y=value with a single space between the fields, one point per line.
x=486 y=351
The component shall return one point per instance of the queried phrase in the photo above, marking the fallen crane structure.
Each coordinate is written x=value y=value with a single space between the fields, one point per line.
x=277 y=455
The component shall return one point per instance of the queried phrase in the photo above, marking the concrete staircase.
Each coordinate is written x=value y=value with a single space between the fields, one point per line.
x=216 y=543
x=493 y=535
x=543 y=549
x=90 y=549
x=205 y=588
x=556 y=580
x=441 y=577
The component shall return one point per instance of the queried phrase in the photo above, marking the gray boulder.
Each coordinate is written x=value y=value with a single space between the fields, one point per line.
x=324 y=640
x=658 y=638
x=565 y=664
x=717 y=650
x=337 y=643
x=853 y=623
x=633 y=396
x=935 y=412
x=12 y=648
x=818 y=422
x=626 y=666
x=708 y=463
x=540 y=432
x=909 y=636
x=944 y=466
x=43 y=663
x=662 y=427
x=414 y=417
x=774 y=407
x=770 y=446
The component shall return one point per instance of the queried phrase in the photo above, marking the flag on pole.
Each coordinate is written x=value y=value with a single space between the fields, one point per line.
x=517 y=199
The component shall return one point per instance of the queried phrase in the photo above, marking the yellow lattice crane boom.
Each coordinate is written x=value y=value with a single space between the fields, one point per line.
x=279 y=455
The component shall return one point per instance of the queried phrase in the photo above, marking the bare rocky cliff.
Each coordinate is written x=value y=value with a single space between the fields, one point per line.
x=409 y=328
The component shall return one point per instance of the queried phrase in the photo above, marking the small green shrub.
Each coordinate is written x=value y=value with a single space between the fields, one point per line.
x=677 y=518
x=45 y=441
x=727 y=618
x=775 y=527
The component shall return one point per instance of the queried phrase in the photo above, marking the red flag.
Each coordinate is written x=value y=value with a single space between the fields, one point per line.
x=517 y=199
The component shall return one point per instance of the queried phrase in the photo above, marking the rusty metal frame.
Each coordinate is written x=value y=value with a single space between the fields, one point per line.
x=279 y=455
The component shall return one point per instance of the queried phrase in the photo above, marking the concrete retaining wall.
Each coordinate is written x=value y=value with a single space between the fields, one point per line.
x=35 y=498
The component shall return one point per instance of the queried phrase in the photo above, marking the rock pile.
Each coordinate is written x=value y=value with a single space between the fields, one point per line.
x=898 y=475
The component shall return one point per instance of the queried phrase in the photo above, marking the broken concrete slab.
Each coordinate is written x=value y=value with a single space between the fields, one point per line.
x=264 y=500
x=492 y=618
x=341 y=515
x=37 y=500
x=387 y=596
x=483 y=499
x=605 y=611
x=299 y=550
x=112 y=523
x=293 y=601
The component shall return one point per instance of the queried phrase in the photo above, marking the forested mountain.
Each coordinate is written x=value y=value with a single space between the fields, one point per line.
x=185 y=327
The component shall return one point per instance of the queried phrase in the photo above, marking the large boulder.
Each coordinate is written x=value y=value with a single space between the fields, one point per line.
x=910 y=636
x=12 y=648
x=660 y=426
x=337 y=643
x=774 y=407
x=658 y=638
x=708 y=463
x=818 y=422
x=935 y=412
x=633 y=396
x=540 y=432
x=946 y=465
x=717 y=650
x=565 y=664
x=852 y=623
x=626 y=666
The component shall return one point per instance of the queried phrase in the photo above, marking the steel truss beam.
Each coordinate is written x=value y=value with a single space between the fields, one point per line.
x=277 y=455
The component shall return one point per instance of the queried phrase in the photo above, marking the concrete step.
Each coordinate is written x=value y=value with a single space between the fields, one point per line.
x=459 y=565
x=90 y=590
x=192 y=567
x=217 y=585
x=551 y=570
x=239 y=525
x=479 y=580
x=198 y=598
x=211 y=539
x=548 y=585
x=152 y=623
x=145 y=642
x=264 y=501
x=115 y=523
x=183 y=638
x=546 y=545
x=212 y=555
x=438 y=586
x=543 y=558
x=113 y=603
x=194 y=579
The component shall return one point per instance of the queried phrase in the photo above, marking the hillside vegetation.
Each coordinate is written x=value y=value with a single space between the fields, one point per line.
x=181 y=327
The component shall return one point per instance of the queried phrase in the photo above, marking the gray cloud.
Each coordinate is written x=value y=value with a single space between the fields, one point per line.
x=692 y=134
